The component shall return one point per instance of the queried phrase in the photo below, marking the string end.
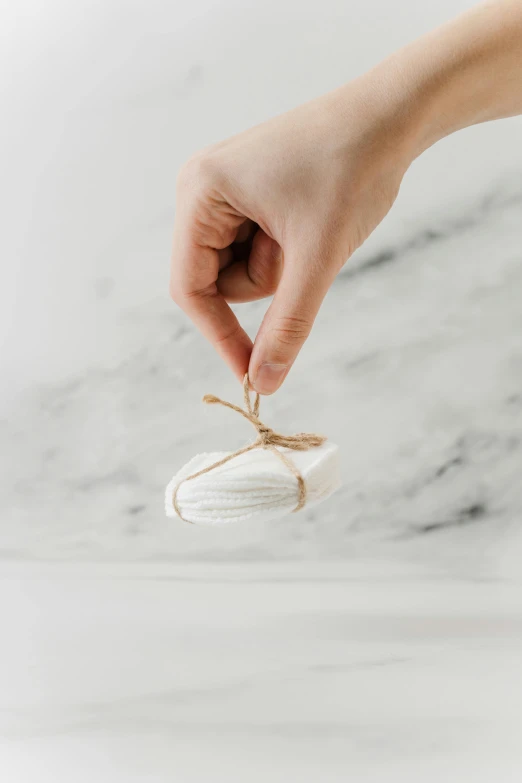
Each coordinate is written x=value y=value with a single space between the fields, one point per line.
x=211 y=399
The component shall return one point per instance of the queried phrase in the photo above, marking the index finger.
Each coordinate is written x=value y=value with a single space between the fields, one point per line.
x=194 y=273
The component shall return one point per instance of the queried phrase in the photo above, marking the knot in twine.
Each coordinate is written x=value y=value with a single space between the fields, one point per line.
x=267 y=438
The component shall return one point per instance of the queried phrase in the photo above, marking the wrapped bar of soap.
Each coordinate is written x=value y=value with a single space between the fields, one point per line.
x=274 y=475
x=253 y=485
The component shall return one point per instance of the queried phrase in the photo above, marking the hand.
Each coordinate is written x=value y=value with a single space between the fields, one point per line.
x=278 y=210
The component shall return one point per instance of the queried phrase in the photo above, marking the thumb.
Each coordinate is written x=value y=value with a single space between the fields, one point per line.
x=288 y=321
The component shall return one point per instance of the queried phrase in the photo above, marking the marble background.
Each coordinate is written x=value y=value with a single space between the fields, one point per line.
x=375 y=637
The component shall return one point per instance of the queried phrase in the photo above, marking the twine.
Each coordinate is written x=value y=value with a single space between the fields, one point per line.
x=266 y=439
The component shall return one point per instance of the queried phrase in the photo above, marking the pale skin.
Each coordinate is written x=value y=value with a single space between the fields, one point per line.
x=279 y=209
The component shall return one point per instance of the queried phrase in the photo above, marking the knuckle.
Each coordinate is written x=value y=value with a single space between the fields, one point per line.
x=264 y=277
x=230 y=334
x=291 y=330
x=174 y=291
x=183 y=291
x=264 y=270
x=200 y=172
x=268 y=286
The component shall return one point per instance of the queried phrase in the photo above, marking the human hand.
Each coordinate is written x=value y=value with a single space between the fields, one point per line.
x=278 y=210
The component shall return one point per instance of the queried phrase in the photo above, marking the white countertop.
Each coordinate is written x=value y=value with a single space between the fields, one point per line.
x=201 y=674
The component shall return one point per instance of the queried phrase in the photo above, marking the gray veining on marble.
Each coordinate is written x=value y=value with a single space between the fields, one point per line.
x=421 y=387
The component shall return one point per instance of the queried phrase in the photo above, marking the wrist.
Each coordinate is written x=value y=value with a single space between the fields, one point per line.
x=466 y=72
x=374 y=118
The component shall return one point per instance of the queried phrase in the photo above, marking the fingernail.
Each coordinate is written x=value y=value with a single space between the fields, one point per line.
x=268 y=377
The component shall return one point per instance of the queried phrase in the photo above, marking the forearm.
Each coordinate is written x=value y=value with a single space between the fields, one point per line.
x=466 y=72
x=311 y=185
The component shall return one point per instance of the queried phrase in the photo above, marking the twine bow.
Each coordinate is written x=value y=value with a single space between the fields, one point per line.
x=267 y=438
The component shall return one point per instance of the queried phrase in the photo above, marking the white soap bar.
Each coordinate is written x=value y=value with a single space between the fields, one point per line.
x=254 y=485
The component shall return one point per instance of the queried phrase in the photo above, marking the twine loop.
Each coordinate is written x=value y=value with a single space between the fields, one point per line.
x=267 y=438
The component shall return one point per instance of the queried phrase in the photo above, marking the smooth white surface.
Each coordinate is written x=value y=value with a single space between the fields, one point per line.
x=200 y=674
